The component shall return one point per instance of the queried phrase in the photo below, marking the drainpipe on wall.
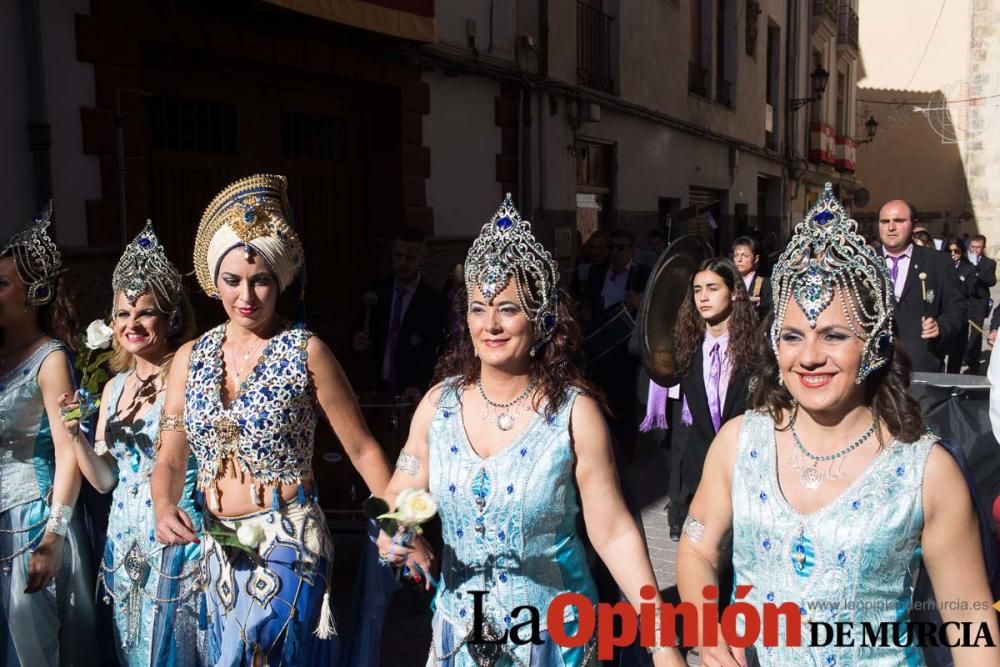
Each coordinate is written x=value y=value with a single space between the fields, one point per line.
x=39 y=130
x=791 y=71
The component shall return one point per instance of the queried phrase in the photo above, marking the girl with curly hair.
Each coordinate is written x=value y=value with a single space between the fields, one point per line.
x=714 y=338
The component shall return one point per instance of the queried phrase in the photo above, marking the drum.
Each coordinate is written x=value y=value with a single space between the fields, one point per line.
x=609 y=332
x=341 y=489
x=956 y=408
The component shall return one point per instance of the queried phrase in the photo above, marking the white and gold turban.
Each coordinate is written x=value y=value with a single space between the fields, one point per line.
x=253 y=213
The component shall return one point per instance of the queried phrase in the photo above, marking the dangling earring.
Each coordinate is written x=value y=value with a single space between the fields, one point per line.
x=531 y=353
x=475 y=352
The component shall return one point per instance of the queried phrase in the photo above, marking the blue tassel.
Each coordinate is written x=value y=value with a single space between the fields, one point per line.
x=275 y=500
x=302 y=495
x=290 y=651
x=202 y=615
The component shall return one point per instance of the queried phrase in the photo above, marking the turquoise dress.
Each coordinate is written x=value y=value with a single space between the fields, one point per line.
x=51 y=626
x=156 y=589
x=854 y=561
x=509 y=524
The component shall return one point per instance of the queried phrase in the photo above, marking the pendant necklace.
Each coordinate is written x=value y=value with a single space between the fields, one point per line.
x=238 y=372
x=810 y=476
x=506 y=419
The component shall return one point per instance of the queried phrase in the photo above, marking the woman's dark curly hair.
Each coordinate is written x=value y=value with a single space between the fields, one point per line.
x=555 y=368
x=690 y=328
x=57 y=318
x=886 y=389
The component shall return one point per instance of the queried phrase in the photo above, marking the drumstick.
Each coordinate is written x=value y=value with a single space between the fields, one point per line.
x=923 y=289
x=369 y=299
x=978 y=328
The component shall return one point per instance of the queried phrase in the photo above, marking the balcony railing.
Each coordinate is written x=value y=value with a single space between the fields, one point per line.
x=698 y=79
x=593 y=48
x=723 y=91
x=847 y=34
x=825 y=9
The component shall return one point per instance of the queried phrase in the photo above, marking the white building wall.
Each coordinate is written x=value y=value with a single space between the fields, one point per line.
x=69 y=85
x=16 y=185
x=464 y=140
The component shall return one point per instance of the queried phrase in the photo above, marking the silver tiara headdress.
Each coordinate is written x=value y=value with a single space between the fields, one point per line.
x=145 y=269
x=827 y=254
x=506 y=249
x=36 y=258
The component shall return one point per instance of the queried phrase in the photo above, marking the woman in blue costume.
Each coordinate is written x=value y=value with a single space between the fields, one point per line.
x=835 y=493
x=514 y=447
x=155 y=589
x=247 y=395
x=46 y=587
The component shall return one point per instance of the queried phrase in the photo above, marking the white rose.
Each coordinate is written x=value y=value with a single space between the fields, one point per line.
x=250 y=535
x=99 y=335
x=415 y=506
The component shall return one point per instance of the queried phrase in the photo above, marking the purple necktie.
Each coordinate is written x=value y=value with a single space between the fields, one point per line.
x=394 y=323
x=714 y=375
x=894 y=271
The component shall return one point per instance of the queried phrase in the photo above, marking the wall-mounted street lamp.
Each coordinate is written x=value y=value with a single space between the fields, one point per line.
x=819 y=77
x=871 y=127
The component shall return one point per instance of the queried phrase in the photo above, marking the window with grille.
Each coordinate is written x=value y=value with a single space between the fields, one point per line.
x=192 y=125
x=306 y=136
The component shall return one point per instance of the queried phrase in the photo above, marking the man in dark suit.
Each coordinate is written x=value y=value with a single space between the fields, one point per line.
x=746 y=257
x=620 y=280
x=979 y=299
x=930 y=305
x=405 y=326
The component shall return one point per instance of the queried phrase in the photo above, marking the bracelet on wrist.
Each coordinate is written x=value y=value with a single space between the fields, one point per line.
x=59 y=517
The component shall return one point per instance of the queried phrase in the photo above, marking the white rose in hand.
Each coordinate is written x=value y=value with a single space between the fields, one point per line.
x=414 y=507
x=249 y=535
x=99 y=335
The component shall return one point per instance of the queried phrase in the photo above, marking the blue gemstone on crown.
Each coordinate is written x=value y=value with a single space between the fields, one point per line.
x=145 y=243
x=883 y=345
x=824 y=217
x=248 y=216
x=42 y=292
x=549 y=321
x=505 y=223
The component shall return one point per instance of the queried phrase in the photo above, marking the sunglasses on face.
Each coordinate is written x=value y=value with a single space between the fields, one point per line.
x=954 y=251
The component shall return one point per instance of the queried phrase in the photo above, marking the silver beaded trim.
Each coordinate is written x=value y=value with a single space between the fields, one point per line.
x=693 y=529
x=409 y=464
x=100 y=447
x=506 y=249
x=827 y=255
x=145 y=269
x=32 y=247
x=59 y=517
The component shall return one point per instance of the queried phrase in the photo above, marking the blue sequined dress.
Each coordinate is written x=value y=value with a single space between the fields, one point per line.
x=51 y=626
x=509 y=524
x=276 y=604
x=156 y=589
x=853 y=561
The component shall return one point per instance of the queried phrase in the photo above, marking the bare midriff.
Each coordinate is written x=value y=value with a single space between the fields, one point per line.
x=234 y=493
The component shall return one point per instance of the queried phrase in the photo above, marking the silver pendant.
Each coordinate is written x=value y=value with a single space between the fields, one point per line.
x=505 y=421
x=811 y=477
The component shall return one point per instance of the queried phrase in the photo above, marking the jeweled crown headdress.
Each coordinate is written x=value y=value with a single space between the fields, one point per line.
x=145 y=269
x=253 y=212
x=827 y=254
x=506 y=249
x=36 y=258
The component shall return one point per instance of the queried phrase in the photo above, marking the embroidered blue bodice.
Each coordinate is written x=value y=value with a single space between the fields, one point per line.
x=855 y=560
x=27 y=456
x=510 y=521
x=267 y=430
